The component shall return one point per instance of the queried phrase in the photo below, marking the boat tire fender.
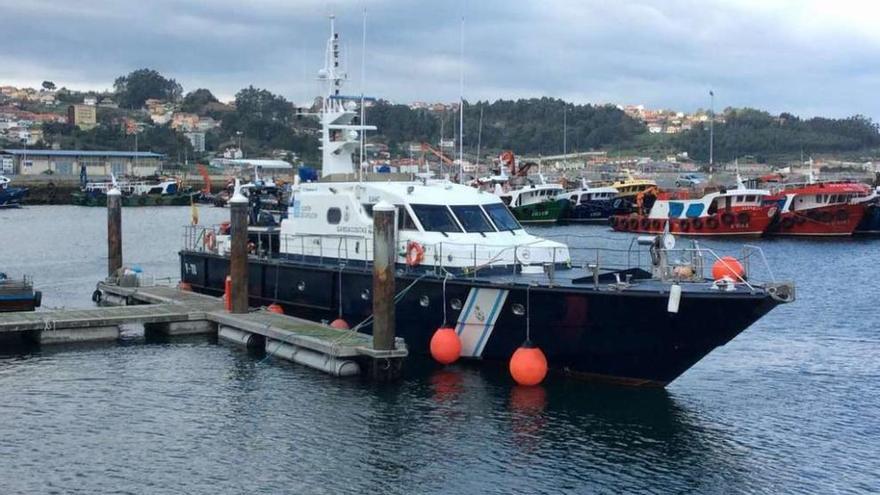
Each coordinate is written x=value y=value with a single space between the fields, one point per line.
x=712 y=223
x=727 y=218
x=698 y=224
x=742 y=218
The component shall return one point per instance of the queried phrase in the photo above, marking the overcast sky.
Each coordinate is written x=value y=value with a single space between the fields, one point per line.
x=806 y=57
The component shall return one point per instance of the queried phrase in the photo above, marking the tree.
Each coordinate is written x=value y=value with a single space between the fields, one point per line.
x=139 y=86
x=195 y=101
x=48 y=85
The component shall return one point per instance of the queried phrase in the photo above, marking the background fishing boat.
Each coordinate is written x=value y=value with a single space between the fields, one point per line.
x=18 y=295
x=10 y=197
x=164 y=192
x=588 y=203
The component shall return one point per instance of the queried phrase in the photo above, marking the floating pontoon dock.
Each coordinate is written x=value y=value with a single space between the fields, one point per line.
x=176 y=312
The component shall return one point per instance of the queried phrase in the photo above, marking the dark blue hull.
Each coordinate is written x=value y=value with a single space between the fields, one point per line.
x=624 y=336
x=870 y=223
x=12 y=196
x=590 y=211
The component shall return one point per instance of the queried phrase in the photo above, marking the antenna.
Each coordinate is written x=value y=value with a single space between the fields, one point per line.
x=461 y=105
x=479 y=138
x=564 y=131
x=363 y=78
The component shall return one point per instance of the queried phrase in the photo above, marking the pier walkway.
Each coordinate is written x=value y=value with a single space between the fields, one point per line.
x=176 y=312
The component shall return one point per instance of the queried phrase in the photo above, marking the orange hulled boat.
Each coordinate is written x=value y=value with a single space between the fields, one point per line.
x=741 y=211
x=819 y=208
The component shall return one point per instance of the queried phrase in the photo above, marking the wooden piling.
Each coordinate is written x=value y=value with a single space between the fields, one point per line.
x=238 y=257
x=384 y=257
x=114 y=231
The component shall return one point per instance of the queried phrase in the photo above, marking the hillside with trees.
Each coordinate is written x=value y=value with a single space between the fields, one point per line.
x=747 y=131
x=265 y=123
x=527 y=126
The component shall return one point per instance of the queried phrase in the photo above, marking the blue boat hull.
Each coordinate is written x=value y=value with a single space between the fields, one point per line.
x=590 y=211
x=613 y=336
x=12 y=196
x=870 y=223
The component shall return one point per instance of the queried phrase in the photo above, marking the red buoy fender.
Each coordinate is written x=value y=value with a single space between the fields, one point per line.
x=445 y=345
x=528 y=365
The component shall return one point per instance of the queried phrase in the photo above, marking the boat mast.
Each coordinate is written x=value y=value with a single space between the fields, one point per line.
x=363 y=78
x=479 y=140
x=340 y=138
x=461 y=105
x=564 y=131
x=711 y=129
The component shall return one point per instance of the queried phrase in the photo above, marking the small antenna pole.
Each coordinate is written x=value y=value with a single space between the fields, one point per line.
x=461 y=106
x=363 y=78
x=479 y=137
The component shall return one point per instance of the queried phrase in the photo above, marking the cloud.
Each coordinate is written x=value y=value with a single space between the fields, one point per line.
x=806 y=57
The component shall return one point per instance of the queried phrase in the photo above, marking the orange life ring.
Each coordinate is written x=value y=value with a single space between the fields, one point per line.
x=415 y=253
x=210 y=240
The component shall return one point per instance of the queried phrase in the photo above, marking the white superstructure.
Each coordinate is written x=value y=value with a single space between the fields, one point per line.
x=339 y=137
x=454 y=226
x=440 y=223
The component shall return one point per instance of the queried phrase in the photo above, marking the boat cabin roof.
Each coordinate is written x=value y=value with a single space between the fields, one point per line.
x=440 y=192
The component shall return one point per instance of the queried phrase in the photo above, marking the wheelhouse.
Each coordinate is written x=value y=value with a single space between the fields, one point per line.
x=454 y=225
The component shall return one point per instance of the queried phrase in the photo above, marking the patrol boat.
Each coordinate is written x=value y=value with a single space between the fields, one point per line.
x=463 y=260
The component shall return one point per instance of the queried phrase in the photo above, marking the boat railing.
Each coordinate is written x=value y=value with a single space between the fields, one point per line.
x=8 y=285
x=474 y=260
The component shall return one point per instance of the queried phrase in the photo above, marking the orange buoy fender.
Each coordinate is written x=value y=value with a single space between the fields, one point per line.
x=185 y=286
x=275 y=308
x=340 y=324
x=528 y=365
x=729 y=267
x=445 y=345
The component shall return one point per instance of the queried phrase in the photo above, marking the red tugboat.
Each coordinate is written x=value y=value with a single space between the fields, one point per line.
x=741 y=211
x=819 y=208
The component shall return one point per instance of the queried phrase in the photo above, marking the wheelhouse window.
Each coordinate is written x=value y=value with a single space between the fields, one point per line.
x=472 y=218
x=501 y=217
x=334 y=215
x=404 y=220
x=435 y=218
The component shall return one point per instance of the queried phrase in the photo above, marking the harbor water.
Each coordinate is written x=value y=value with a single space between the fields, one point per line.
x=792 y=405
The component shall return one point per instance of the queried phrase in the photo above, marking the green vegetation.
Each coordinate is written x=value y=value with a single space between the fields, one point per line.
x=196 y=101
x=748 y=131
x=264 y=122
x=109 y=136
x=532 y=126
x=141 y=85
